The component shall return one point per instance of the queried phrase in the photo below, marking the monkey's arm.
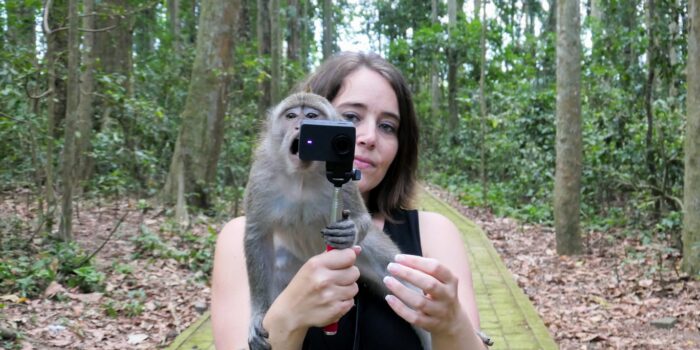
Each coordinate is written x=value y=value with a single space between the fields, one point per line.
x=259 y=254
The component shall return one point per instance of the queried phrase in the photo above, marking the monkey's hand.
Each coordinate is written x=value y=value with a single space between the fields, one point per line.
x=341 y=234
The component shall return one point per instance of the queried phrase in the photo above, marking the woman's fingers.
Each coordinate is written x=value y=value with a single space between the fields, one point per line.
x=412 y=298
x=336 y=259
x=429 y=266
x=427 y=283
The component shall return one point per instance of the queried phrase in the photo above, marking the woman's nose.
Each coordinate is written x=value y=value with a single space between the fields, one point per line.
x=366 y=135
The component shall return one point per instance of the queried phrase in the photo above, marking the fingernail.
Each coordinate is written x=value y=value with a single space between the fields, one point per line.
x=391 y=267
x=399 y=257
x=386 y=280
x=389 y=298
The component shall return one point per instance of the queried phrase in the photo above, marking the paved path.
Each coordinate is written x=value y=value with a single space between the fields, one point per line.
x=507 y=315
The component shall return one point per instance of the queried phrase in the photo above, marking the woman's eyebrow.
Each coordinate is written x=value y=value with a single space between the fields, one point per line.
x=363 y=106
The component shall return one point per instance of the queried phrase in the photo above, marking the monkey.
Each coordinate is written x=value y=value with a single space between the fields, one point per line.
x=287 y=203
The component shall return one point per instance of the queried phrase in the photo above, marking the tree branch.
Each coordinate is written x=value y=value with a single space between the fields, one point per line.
x=47 y=8
x=104 y=242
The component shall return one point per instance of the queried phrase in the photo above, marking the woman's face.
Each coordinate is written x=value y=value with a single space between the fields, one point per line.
x=367 y=99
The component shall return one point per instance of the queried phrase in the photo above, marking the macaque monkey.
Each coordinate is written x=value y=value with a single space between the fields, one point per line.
x=287 y=206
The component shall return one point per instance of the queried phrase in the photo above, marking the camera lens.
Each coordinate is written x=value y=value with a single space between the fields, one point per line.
x=342 y=145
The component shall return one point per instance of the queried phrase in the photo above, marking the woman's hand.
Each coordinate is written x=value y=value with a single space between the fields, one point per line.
x=319 y=294
x=435 y=307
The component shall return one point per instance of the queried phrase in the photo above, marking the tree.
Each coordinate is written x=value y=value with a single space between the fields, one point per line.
x=482 y=106
x=69 y=142
x=264 y=50
x=452 y=65
x=648 y=105
x=294 y=24
x=328 y=28
x=85 y=108
x=691 y=191
x=276 y=54
x=569 y=153
x=434 y=72
x=194 y=161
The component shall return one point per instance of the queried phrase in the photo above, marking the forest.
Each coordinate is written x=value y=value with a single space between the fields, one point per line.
x=127 y=129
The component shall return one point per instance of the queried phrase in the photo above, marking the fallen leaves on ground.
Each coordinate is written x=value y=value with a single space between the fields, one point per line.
x=605 y=298
x=166 y=291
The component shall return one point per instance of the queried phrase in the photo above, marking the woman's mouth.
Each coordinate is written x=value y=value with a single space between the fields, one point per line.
x=362 y=163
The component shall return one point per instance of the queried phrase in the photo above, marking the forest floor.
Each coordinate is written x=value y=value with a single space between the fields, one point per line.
x=606 y=298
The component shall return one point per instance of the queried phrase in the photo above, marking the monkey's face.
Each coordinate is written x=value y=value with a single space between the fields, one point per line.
x=290 y=121
x=286 y=126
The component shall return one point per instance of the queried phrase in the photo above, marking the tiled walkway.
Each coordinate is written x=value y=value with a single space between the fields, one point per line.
x=507 y=315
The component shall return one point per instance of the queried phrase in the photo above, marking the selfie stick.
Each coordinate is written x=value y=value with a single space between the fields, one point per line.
x=337 y=206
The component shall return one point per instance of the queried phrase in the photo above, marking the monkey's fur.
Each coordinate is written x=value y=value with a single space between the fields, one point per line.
x=287 y=206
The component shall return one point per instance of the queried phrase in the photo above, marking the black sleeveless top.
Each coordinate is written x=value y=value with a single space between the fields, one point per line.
x=378 y=326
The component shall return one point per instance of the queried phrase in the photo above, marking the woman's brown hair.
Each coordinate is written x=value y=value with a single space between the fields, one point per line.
x=396 y=189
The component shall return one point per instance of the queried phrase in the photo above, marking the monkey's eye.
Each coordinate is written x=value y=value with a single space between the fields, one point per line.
x=311 y=115
x=291 y=115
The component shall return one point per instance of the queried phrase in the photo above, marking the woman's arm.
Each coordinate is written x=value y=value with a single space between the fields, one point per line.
x=230 y=296
x=447 y=308
x=320 y=293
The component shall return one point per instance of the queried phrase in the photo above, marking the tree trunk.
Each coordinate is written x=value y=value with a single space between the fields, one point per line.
x=691 y=188
x=567 y=180
x=201 y=133
x=57 y=41
x=649 y=108
x=434 y=69
x=452 y=66
x=275 y=55
x=482 y=110
x=174 y=21
x=57 y=61
x=306 y=37
x=293 y=38
x=673 y=28
x=264 y=50
x=85 y=106
x=69 y=146
x=328 y=30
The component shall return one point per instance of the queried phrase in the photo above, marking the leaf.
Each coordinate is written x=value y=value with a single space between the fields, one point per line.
x=137 y=338
x=53 y=289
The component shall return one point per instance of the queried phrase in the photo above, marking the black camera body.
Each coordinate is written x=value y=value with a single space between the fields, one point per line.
x=327 y=140
x=332 y=142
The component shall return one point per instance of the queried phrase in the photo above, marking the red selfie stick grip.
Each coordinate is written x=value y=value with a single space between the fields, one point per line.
x=332 y=328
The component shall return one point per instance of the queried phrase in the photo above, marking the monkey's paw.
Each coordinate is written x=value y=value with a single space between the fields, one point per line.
x=340 y=235
x=257 y=339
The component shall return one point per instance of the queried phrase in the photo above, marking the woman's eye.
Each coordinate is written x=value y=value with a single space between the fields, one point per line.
x=351 y=117
x=388 y=128
x=291 y=115
x=311 y=115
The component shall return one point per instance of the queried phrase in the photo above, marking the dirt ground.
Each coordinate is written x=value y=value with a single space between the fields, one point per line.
x=606 y=298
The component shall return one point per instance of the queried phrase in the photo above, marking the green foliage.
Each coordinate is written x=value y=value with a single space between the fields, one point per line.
x=29 y=274
x=191 y=250
x=137 y=118
x=131 y=307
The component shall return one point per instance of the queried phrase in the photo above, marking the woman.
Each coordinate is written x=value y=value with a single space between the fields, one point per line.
x=371 y=93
